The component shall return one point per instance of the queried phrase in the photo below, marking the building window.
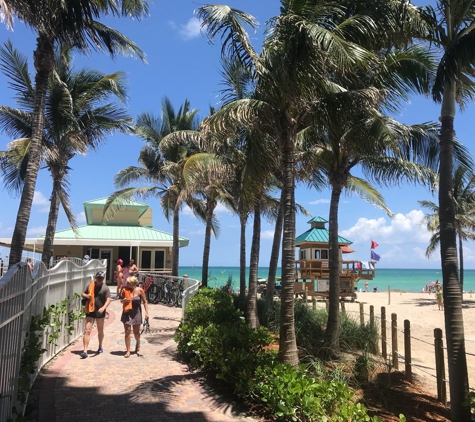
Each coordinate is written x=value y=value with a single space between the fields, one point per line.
x=317 y=253
x=324 y=253
x=303 y=254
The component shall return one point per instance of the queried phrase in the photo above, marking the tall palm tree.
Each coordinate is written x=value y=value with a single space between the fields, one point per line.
x=162 y=164
x=73 y=23
x=452 y=32
x=289 y=77
x=76 y=119
x=464 y=199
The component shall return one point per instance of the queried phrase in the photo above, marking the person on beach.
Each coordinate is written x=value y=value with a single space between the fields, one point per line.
x=99 y=298
x=439 y=296
x=119 y=276
x=131 y=298
x=133 y=270
x=366 y=286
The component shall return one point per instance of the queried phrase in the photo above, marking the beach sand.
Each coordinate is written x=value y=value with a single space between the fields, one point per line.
x=422 y=312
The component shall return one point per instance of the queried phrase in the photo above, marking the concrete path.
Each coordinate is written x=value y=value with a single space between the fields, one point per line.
x=150 y=386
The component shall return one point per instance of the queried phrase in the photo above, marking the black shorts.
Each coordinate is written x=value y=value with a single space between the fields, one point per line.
x=96 y=315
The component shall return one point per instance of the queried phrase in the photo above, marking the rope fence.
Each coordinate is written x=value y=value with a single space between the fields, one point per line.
x=390 y=334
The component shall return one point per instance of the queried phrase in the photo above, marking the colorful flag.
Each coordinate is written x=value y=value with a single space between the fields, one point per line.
x=375 y=256
x=373 y=244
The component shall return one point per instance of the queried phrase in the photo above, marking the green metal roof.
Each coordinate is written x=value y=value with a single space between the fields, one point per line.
x=319 y=235
x=317 y=219
x=125 y=233
x=101 y=202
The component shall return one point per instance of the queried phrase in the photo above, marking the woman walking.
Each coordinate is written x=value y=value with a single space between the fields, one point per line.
x=131 y=298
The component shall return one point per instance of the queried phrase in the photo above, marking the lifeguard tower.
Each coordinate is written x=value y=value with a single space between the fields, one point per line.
x=311 y=269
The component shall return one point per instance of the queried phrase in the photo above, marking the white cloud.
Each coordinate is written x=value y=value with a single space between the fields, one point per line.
x=400 y=230
x=81 y=218
x=320 y=201
x=41 y=201
x=35 y=231
x=191 y=29
x=172 y=24
x=267 y=234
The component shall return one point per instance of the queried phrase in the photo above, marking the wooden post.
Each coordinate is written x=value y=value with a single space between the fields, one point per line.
x=394 y=341
x=389 y=295
x=384 y=350
x=407 y=349
x=374 y=346
x=305 y=295
x=314 y=302
x=440 y=366
x=361 y=313
x=343 y=310
x=326 y=304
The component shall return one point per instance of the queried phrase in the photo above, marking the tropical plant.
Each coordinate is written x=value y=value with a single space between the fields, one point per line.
x=452 y=30
x=72 y=23
x=464 y=200
x=162 y=165
x=77 y=118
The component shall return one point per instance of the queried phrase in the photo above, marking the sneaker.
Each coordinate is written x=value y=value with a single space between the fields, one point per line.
x=83 y=355
x=100 y=350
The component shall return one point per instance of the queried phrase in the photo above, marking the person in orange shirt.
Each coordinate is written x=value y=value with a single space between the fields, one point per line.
x=132 y=298
x=98 y=298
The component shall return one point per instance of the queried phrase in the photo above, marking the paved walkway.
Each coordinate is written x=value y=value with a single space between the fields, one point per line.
x=150 y=386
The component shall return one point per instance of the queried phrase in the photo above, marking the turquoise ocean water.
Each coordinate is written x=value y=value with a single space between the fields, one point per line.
x=399 y=279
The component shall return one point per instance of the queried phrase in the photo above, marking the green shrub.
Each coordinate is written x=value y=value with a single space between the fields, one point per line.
x=354 y=336
x=208 y=306
x=291 y=394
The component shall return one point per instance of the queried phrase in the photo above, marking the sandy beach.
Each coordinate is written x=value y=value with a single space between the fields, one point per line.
x=422 y=312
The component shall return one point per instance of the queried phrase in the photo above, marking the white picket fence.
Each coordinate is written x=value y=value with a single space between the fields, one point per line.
x=24 y=295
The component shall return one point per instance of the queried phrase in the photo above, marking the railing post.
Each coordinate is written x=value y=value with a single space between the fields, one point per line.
x=305 y=295
x=326 y=304
x=407 y=349
x=374 y=346
x=314 y=302
x=343 y=310
x=440 y=366
x=384 y=350
x=394 y=341
x=362 y=313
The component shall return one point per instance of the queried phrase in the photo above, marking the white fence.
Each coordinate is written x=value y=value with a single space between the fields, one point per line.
x=24 y=295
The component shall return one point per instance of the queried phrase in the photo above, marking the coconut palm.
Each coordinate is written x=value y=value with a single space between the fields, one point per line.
x=464 y=200
x=452 y=32
x=73 y=23
x=77 y=118
x=289 y=78
x=162 y=164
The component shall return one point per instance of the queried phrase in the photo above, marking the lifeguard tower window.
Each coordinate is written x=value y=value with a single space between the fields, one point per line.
x=324 y=253
x=317 y=253
x=321 y=253
x=303 y=254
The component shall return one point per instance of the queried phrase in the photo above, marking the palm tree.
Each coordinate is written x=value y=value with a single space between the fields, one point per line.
x=162 y=164
x=289 y=78
x=452 y=32
x=464 y=199
x=76 y=119
x=73 y=23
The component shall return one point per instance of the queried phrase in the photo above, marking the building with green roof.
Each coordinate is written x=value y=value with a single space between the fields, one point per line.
x=129 y=234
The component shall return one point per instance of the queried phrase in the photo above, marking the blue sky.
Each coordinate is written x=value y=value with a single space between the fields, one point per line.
x=182 y=64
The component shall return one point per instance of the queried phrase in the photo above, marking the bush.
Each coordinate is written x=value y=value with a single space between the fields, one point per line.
x=207 y=307
x=291 y=394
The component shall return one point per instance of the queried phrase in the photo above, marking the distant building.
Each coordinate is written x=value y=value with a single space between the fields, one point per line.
x=128 y=235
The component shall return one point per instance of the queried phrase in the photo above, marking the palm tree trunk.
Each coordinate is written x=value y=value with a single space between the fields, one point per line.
x=461 y=263
x=457 y=362
x=287 y=342
x=251 y=310
x=332 y=333
x=44 y=64
x=52 y=219
x=274 y=259
x=206 y=249
x=242 y=260
x=176 y=240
